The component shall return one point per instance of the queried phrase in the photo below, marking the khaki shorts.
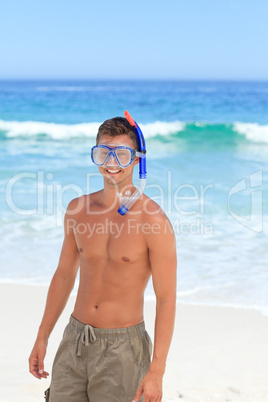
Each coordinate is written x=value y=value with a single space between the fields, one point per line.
x=100 y=365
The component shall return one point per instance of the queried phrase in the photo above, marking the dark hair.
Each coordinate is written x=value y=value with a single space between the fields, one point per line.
x=118 y=126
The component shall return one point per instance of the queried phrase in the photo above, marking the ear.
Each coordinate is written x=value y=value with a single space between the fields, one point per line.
x=136 y=160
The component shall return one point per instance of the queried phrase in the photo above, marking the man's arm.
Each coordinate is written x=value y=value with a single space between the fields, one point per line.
x=162 y=254
x=59 y=291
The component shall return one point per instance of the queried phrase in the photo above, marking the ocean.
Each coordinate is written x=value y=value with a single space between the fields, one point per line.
x=207 y=148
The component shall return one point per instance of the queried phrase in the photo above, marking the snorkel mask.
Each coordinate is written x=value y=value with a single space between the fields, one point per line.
x=124 y=156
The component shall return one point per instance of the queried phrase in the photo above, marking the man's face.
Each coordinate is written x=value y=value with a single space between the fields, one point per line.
x=111 y=171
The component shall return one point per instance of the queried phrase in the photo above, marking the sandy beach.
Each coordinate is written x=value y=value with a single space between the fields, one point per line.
x=217 y=353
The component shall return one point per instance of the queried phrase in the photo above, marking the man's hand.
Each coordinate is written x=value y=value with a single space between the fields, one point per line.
x=36 y=360
x=150 y=388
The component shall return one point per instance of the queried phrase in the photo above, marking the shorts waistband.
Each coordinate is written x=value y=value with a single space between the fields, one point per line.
x=109 y=333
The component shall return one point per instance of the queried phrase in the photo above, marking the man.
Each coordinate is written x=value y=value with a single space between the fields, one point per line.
x=105 y=353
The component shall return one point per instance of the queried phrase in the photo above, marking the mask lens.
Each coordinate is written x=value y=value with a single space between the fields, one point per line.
x=123 y=156
x=99 y=155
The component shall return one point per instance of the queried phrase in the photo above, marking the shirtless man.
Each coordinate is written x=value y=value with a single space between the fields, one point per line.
x=105 y=353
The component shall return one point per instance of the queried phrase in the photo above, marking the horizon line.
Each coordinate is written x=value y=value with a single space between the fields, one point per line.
x=131 y=79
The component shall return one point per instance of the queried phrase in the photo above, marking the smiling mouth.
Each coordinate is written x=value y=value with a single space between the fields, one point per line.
x=113 y=171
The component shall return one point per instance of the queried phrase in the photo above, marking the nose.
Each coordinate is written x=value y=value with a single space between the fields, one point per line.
x=111 y=161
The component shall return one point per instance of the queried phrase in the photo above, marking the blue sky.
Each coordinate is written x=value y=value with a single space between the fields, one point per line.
x=171 y=39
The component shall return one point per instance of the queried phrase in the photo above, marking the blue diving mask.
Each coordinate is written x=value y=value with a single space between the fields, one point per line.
x=124 y=156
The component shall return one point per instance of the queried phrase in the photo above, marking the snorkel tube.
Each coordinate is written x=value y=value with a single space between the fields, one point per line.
x=127 y=204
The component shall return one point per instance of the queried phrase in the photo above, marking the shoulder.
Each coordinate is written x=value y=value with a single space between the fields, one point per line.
x=153 y=215
x=158 y=232
x=81 y=205
x=152 y=211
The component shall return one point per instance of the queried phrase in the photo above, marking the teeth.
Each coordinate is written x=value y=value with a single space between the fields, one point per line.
x=113 y=171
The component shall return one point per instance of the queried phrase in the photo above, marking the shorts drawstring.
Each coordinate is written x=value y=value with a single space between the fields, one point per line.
x=87 y=335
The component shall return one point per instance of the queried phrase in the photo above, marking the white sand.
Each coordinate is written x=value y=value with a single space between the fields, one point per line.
x=217 y=354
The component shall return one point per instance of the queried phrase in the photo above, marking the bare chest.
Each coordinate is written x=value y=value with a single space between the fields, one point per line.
x=118 y=239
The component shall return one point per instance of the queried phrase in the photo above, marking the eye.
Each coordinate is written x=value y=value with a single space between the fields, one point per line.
x=122 y=153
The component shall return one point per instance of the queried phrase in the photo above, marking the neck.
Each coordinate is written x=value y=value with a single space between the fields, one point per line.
x=110 y=193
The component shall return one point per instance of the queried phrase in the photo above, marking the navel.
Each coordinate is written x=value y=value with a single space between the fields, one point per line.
x=126 y=259
x=81 y=250
x=96 y=307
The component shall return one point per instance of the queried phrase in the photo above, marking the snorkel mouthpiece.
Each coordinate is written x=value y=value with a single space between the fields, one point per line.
x=126 y=205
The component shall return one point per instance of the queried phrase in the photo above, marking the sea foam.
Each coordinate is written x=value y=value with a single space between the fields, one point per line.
x=252 y=131
x=13 y=129
x=52 y=130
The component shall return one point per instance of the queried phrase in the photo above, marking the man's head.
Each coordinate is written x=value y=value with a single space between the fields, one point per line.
x=113 y=133
x=115 y=127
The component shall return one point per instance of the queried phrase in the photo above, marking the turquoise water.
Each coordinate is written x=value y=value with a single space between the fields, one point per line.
x=207 y=150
